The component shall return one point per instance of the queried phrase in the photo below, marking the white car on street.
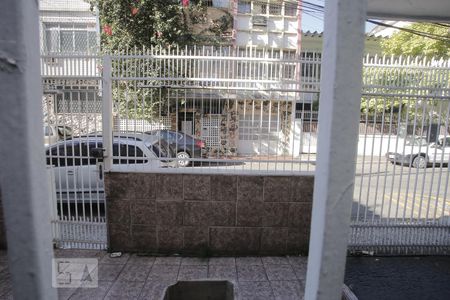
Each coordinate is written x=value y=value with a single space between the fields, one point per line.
x=79 y=174
x=419 y=154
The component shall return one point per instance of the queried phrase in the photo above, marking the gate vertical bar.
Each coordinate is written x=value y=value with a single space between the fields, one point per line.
x=339 y=114
x=107 y=112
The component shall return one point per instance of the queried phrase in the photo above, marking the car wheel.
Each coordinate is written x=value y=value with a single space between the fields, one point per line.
x=183 y=159
x=420 y=162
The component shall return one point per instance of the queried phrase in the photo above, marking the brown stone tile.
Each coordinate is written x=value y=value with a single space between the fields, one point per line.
x=274 y=240
x=134 y=272
x=125 y=290
x=197 y=213
x=163 y=273
x=303 y=188
x=144 y=238
x=169 y=213
x=196 y=187
x=251 y=273
x=63 y=293
x=168 y=260
x=223 y=213
x=154 y=290
x=249 y=261
x=277 y=188
x=250 y=188
x=275 y=214
x=300 y=215
x=119 y=211
x=170 y=238
x=194 y=261
x=298 y=240
x=109 y=272
x=295 y=260
x=136 y=259
x=223 y=188
x=117 y=186
x=239 y=240
x=249 y=213
x=119 y=237
x=196 y=238
x=143 y=212
x=222 y=261
x=300 y=272
x=280 y=272
x=143 y=185
x=275 y=260
x=255 y=290
x=222 y=272
x=169 y=187
x=193 y=272
x=92 y=293
x=288 y=290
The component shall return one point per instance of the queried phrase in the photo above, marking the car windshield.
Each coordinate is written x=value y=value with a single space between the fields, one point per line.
x=159 y=147
x=64 y=131
x=416 y=141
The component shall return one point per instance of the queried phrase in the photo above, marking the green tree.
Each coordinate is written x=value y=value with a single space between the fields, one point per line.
x=146 y=23
x=437 y=44
x=413 y=94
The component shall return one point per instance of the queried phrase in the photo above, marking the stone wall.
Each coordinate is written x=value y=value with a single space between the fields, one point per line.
x=208 y=214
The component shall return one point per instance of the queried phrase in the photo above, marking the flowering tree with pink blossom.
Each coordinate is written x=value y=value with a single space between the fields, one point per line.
x=145 y=23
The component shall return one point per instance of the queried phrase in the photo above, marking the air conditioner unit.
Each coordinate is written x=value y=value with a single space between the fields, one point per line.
x=259 y=21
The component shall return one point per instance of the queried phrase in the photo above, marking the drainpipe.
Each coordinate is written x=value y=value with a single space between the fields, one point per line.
x=23 y=179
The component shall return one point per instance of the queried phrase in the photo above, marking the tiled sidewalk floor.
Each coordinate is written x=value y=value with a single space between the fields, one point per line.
x=143 y=277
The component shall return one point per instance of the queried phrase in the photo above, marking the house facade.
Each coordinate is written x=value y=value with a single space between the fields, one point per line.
x=256 y=118
x=69 y=43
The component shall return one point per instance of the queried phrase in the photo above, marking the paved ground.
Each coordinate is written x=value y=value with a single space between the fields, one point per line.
x=399 y=278
x=136 y=277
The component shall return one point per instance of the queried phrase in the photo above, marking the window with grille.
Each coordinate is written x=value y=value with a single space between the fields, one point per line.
x=69 y=38
x=259 y=8
x=244 y=7
x=311 y=64
x=290 y=9
x=254 y=128
x=80 y=101
x=274 y=9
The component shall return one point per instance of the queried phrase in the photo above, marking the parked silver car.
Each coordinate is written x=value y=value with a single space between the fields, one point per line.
x=419 y=154
x=79 y=174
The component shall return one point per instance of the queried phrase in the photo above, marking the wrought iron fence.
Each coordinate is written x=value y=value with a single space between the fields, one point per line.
x=229 y=110
x=222 y=110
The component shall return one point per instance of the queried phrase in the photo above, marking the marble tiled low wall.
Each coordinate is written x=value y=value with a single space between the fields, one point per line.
x=208 y=214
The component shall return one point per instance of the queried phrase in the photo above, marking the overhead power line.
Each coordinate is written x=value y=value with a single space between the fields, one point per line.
x=317 y=8
x=413 y=31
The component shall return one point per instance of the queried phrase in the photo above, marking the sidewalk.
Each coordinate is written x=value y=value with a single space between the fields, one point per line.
x=146 y=277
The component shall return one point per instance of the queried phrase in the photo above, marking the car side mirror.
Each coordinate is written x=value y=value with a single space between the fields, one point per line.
x=98 y=153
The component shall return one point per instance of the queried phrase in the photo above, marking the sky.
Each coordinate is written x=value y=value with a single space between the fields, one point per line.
x=315 y=22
